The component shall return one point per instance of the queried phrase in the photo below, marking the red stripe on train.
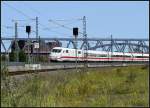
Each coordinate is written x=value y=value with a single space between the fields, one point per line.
x=106 y=58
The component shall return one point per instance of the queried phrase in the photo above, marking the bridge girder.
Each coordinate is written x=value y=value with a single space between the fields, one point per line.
x=134 y=45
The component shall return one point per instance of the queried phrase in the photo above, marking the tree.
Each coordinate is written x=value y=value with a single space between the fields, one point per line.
x=22 y=56
x=12 y=56
x=3 y=57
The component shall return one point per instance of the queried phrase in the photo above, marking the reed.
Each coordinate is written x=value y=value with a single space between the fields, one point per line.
x=102 y=87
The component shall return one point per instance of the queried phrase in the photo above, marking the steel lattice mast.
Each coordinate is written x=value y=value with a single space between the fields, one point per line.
x=85 y=44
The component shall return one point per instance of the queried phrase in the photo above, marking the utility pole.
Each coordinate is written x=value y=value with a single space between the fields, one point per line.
x=85 y=45
x=37 y=28
x=16 y=43
x=142 y=50
x=75 y=33
x=123 y=54
x=37 y=51
x=111 y=49
x=76 y=50
x=28 y=49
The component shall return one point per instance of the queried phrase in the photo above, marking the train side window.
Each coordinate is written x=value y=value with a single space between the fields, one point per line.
x=117 y=55
x=103 y=55
x=140 y=57
x=79 y=52
x=66 y=51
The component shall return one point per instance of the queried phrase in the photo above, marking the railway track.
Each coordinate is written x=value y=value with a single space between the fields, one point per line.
x=67 y=67
x=34 y=71
x=72 y=63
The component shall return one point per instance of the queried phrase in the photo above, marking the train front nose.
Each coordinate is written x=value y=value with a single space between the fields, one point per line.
x=54 y=56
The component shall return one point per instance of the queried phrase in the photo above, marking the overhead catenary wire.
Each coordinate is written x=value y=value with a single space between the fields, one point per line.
x=34 y=10
x=69 y=19
x=14 y=20
x=64 y=25
x=48 y=28
x=29 y=18
x=54 y=22
x=11 y=27
x=7 y=27
x=58 y=26
x=38 y=13
x=17 y=10
x=61 y=25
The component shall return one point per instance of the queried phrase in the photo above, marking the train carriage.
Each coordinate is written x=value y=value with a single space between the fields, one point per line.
x=68 y=54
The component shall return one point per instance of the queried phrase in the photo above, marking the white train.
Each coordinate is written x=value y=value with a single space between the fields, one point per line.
x=67 y=54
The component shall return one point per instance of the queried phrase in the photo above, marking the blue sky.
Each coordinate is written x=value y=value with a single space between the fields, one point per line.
x=121 y=19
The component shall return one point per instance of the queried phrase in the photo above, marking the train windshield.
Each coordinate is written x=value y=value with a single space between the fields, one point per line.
x=56 y=50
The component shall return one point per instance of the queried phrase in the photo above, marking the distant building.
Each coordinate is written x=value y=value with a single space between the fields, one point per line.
x=44 y=48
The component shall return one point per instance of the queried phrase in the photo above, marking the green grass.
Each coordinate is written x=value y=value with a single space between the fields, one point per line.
x=101 y=87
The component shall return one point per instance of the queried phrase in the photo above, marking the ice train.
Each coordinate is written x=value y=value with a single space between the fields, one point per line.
x=68 y=54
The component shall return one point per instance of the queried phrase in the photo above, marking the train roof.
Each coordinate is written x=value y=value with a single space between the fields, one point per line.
x=66 y=48
x=104 y=52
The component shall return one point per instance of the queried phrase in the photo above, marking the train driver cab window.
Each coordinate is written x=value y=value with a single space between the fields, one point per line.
x=59 y=50
x=67 y=51
x=56 y=50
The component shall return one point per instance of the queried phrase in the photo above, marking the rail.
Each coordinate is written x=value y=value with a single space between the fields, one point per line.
x=19 y=70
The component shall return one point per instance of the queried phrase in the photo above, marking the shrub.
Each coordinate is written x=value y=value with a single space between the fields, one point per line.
x=119 y=72
x=22 y=56
x=64 y=88
x=12 y=56
x=122 y=88
x=144 y=67
x=131 y=77
x=3 y=57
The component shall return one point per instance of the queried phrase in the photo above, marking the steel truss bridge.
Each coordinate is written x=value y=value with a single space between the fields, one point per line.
x=103 y=44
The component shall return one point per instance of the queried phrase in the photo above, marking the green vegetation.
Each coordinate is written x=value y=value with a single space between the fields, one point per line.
x=3 y=57
x=21 y=56
x=107 y=87
x=43 y=58
x=12 y=56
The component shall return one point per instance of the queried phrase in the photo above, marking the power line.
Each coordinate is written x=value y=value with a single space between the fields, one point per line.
x=34 y=10
x=55 y=31
x=69 y=19
x=17 y=10
x=62 y=25
x=40 y=13
x=4 y=33
x=20 y=13
x=55 y=20
x=43 y=24
x=58 y=26
x=22 y=20
x=7 y=27
x=11 y=27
